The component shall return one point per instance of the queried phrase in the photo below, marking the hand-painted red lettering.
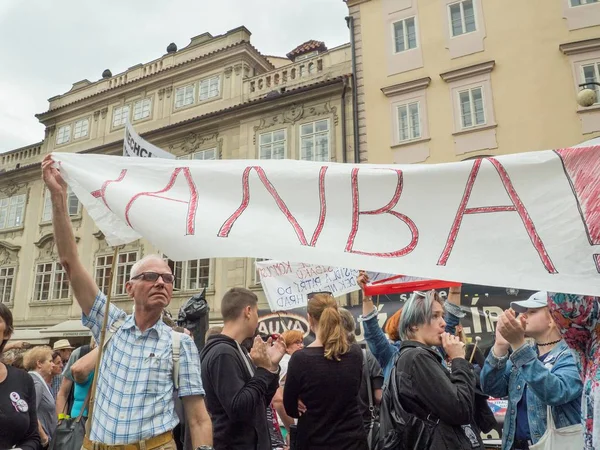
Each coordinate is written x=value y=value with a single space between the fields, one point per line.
x=192 y=203
x=230 y=222
x=387 y=209
x=517 y=206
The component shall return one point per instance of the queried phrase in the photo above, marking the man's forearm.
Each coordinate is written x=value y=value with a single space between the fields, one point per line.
x=63 y=231
x=201 y=433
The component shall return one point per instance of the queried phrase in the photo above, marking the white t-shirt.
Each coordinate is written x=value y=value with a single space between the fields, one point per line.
x=283 y=365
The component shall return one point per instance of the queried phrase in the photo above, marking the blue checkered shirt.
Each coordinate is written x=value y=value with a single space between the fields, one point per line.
x=134 y=398
x=55 y=385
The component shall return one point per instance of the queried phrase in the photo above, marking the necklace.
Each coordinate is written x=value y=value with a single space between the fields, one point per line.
x=548 y=343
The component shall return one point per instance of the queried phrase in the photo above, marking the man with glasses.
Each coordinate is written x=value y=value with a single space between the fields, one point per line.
x=134 y=396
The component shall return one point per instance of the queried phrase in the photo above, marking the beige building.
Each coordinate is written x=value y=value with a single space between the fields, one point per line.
x=447 y=80
x=217 y=98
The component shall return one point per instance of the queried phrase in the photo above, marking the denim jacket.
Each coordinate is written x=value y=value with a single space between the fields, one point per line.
x=384 y=350
x=554 y=381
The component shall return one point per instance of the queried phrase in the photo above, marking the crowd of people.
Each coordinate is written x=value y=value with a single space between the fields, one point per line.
x=416 y=384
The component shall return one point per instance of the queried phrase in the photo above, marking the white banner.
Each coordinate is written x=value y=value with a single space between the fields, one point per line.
x=287 y=284
x=134 y=145
x=529 y=221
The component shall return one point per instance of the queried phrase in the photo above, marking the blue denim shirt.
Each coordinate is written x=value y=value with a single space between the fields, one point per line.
x=384 y=350
x=555 y=381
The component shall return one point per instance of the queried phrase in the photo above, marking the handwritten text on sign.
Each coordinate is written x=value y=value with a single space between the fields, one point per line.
x=528 y=221
x=287 y=284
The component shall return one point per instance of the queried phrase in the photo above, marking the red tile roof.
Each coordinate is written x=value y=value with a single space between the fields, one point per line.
x=308 y=46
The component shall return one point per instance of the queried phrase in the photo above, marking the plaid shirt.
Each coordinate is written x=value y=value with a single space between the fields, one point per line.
x=134 y=398
x=55 y=385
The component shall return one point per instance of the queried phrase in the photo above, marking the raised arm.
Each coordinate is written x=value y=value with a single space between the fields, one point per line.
x=82 y=283
x=82 y=368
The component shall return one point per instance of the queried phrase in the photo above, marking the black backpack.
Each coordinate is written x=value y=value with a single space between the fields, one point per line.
x=401 y=430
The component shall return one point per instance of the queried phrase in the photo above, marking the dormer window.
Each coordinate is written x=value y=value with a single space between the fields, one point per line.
x=307 y=50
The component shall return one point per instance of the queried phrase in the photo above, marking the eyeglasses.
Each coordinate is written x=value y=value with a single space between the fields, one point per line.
x=312 y=294
x=153 y=276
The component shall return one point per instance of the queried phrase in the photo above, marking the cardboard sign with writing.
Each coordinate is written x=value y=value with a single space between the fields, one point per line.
x=287 y=284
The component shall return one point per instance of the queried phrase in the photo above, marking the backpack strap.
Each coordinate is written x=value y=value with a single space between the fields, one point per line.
x=176 y=341
x=114 y=327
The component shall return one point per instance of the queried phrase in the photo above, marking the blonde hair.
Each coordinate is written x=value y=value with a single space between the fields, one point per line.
x=324 y=310
x=34 y=355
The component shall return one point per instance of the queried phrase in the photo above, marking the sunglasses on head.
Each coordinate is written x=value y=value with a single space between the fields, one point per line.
x=153 y=276
x=312 y=294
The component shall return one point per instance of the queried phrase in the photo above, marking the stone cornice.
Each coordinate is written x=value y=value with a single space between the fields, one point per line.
x=9 y=246
x=468 y=72
x=407 y=86
x=573 y=48
x=355 y=2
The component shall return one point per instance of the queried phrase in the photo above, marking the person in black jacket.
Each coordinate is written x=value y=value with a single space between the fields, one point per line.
x=239 y=386
x=444 y=398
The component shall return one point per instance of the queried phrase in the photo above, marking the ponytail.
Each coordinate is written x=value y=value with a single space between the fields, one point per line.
x=323 y=308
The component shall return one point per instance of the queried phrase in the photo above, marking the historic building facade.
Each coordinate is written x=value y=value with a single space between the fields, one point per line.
x=217 y=98
x=447 y=80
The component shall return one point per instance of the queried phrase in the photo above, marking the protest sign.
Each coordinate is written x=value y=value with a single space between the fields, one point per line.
x=134 y=145
x=529 y=220
x=287 y=284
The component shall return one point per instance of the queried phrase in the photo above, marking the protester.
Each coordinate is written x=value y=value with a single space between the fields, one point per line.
x=372 y=379
x=325 y=377
x=38 y=361
x=578 y=319
x=293 y=340
x=239 y=389
x=18 y=416
x=532 y=377
x=213 y=331
x=83 y=376
x=441 y=401
x=134 y=398
x=65 y=396
x=56 y=374
x=381 y=347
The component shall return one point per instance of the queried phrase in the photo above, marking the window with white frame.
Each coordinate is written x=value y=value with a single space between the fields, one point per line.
x=462 y=17
x=12 y=210
x=210 y=88
x=314 y=141
x=7 y=281
x=81 y=128
x=591 y=74
x=191 y=275
x=409 y=121
x=272 y=145
x=120 y=115
x=51 y=282
x=141 y=109
x=125 y=262
x=472 y=110
x=184 y=96
x=73 y=205
x=205 y=155
x=64 y=134
x=582 y=2
x=405 y=35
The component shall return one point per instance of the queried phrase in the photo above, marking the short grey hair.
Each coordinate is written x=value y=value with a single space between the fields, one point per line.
x=418 y=310
x=137 y=267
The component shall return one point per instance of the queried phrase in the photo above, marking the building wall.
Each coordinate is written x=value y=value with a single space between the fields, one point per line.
x=516 y=55
x=230 y=123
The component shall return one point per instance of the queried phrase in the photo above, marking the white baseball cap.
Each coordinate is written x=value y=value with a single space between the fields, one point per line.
x=537 y=300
